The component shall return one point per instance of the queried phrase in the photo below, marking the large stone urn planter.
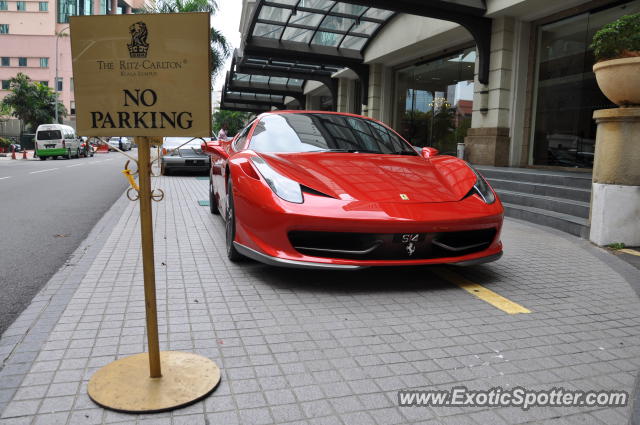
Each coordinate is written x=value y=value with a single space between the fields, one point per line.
x=619 y=80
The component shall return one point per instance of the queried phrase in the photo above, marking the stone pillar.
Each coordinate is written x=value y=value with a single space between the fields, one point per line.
x=375 y=91
x=615 y=198
x=488 y=140
x=343 y=95
x=114 y=7
x=128 y=10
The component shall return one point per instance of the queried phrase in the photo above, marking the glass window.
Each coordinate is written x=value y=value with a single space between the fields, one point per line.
x=44 y=62
x=6 y=84
x=563 y=130
x=435 y=101
x=21 y=6
x=44 y=6
x=6 y=61
x=302 y=132
x=59 y=84
x=22 y=61
x=4 y=5
x=72 y=108
x=44 y=83
x=49 y=135
x=4 y=28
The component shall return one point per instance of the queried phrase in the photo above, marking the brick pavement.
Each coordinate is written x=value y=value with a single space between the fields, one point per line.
x=322 y=347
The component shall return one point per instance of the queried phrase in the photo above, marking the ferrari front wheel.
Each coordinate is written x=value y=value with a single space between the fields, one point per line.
x=230 y=225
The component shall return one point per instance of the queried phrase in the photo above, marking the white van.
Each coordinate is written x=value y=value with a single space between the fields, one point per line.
x=54 y=140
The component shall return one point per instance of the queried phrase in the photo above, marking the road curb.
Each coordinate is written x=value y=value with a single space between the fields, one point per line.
x=23 y=340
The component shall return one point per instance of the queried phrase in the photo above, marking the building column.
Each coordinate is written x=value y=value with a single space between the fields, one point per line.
x=375 y=91
x=615 y=199
x=128 y=10
x=488 y=141
x=343 y=95
x=114 y=7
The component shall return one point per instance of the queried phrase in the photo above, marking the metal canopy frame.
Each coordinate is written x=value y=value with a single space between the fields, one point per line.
x=229 y=98
x=467 y=13
x=335 y=33
x=264 y=88
x=243 y=108
x=280 y=68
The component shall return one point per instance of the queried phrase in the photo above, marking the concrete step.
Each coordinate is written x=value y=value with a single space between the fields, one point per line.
x=528 y=175
x=562 y=192
x=577 y=226
x=559 y=205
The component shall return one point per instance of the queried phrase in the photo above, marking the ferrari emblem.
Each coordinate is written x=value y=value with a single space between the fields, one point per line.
x=404 y=197
x=411 y=248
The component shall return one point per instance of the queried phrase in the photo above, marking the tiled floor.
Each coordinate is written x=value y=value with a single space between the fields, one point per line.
x=323 y=347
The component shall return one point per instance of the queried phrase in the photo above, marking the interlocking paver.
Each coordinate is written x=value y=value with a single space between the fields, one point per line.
x=325 y=347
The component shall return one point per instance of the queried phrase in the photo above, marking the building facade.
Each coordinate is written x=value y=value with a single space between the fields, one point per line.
x=32 y=31
x=535 y=108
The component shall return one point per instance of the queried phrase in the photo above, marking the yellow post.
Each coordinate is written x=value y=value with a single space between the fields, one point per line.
x=148 y=266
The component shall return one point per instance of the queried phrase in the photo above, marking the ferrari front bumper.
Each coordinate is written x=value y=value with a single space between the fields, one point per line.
x=297 y=264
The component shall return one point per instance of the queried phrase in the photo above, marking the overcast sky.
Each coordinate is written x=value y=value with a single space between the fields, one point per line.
x=227 y=21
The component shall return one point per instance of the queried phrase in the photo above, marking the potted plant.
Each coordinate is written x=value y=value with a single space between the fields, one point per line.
x=617 y=51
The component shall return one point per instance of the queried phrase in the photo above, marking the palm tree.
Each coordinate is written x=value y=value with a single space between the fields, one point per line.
x=220 y=48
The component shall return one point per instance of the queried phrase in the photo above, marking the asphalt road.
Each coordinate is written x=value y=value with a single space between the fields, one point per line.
x=46 y=209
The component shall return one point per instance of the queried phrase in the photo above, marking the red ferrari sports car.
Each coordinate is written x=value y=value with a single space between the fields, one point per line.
x=339 y=191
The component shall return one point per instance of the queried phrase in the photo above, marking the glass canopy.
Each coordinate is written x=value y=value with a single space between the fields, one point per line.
x=339 y=26
x=265 y=82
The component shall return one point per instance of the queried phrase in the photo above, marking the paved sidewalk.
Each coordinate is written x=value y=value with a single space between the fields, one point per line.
x=322 y=347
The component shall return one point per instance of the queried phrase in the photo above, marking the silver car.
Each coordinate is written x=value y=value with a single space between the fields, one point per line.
x=178 y=156
x=121 y=143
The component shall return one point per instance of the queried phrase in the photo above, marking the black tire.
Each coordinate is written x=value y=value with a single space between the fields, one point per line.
x=213 y=203
x=42 y=158
x=230 y=226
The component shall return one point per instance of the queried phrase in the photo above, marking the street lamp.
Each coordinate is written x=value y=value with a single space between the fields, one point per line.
x=58 y=35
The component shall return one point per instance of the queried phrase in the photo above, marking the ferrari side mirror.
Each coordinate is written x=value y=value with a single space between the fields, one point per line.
x=429 y=152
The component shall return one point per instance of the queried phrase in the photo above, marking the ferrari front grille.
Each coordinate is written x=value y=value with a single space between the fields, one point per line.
x=391 y=246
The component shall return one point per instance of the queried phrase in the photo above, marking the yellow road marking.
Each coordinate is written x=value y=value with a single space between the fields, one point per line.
x=487 y=295
x=630 y=251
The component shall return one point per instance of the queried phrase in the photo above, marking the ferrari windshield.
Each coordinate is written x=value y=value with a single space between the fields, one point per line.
x=317 y=132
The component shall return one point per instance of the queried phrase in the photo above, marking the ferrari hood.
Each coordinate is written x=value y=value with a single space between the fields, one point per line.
x=377 y=178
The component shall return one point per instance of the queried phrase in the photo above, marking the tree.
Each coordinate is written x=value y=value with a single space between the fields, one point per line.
x=33 y=103
x=235 y=120
x=220 y=48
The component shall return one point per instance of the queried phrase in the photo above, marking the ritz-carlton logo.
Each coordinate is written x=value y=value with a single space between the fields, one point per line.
x=138 y=47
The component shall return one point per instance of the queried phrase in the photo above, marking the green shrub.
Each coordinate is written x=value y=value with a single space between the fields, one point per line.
x=619 y=39
x=4 y=142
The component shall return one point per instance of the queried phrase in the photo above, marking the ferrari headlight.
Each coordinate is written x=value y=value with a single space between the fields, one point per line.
x=482 y=188
x=282 y=186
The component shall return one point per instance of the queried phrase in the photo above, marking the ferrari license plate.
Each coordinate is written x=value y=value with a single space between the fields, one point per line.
x=408 y=237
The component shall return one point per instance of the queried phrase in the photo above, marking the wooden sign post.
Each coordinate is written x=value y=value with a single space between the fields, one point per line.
x=145 y=76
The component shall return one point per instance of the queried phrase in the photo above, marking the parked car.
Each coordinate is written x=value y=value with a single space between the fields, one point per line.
x=339 y=191
x=53 y=140
x=183 y=154
x=121 y=143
